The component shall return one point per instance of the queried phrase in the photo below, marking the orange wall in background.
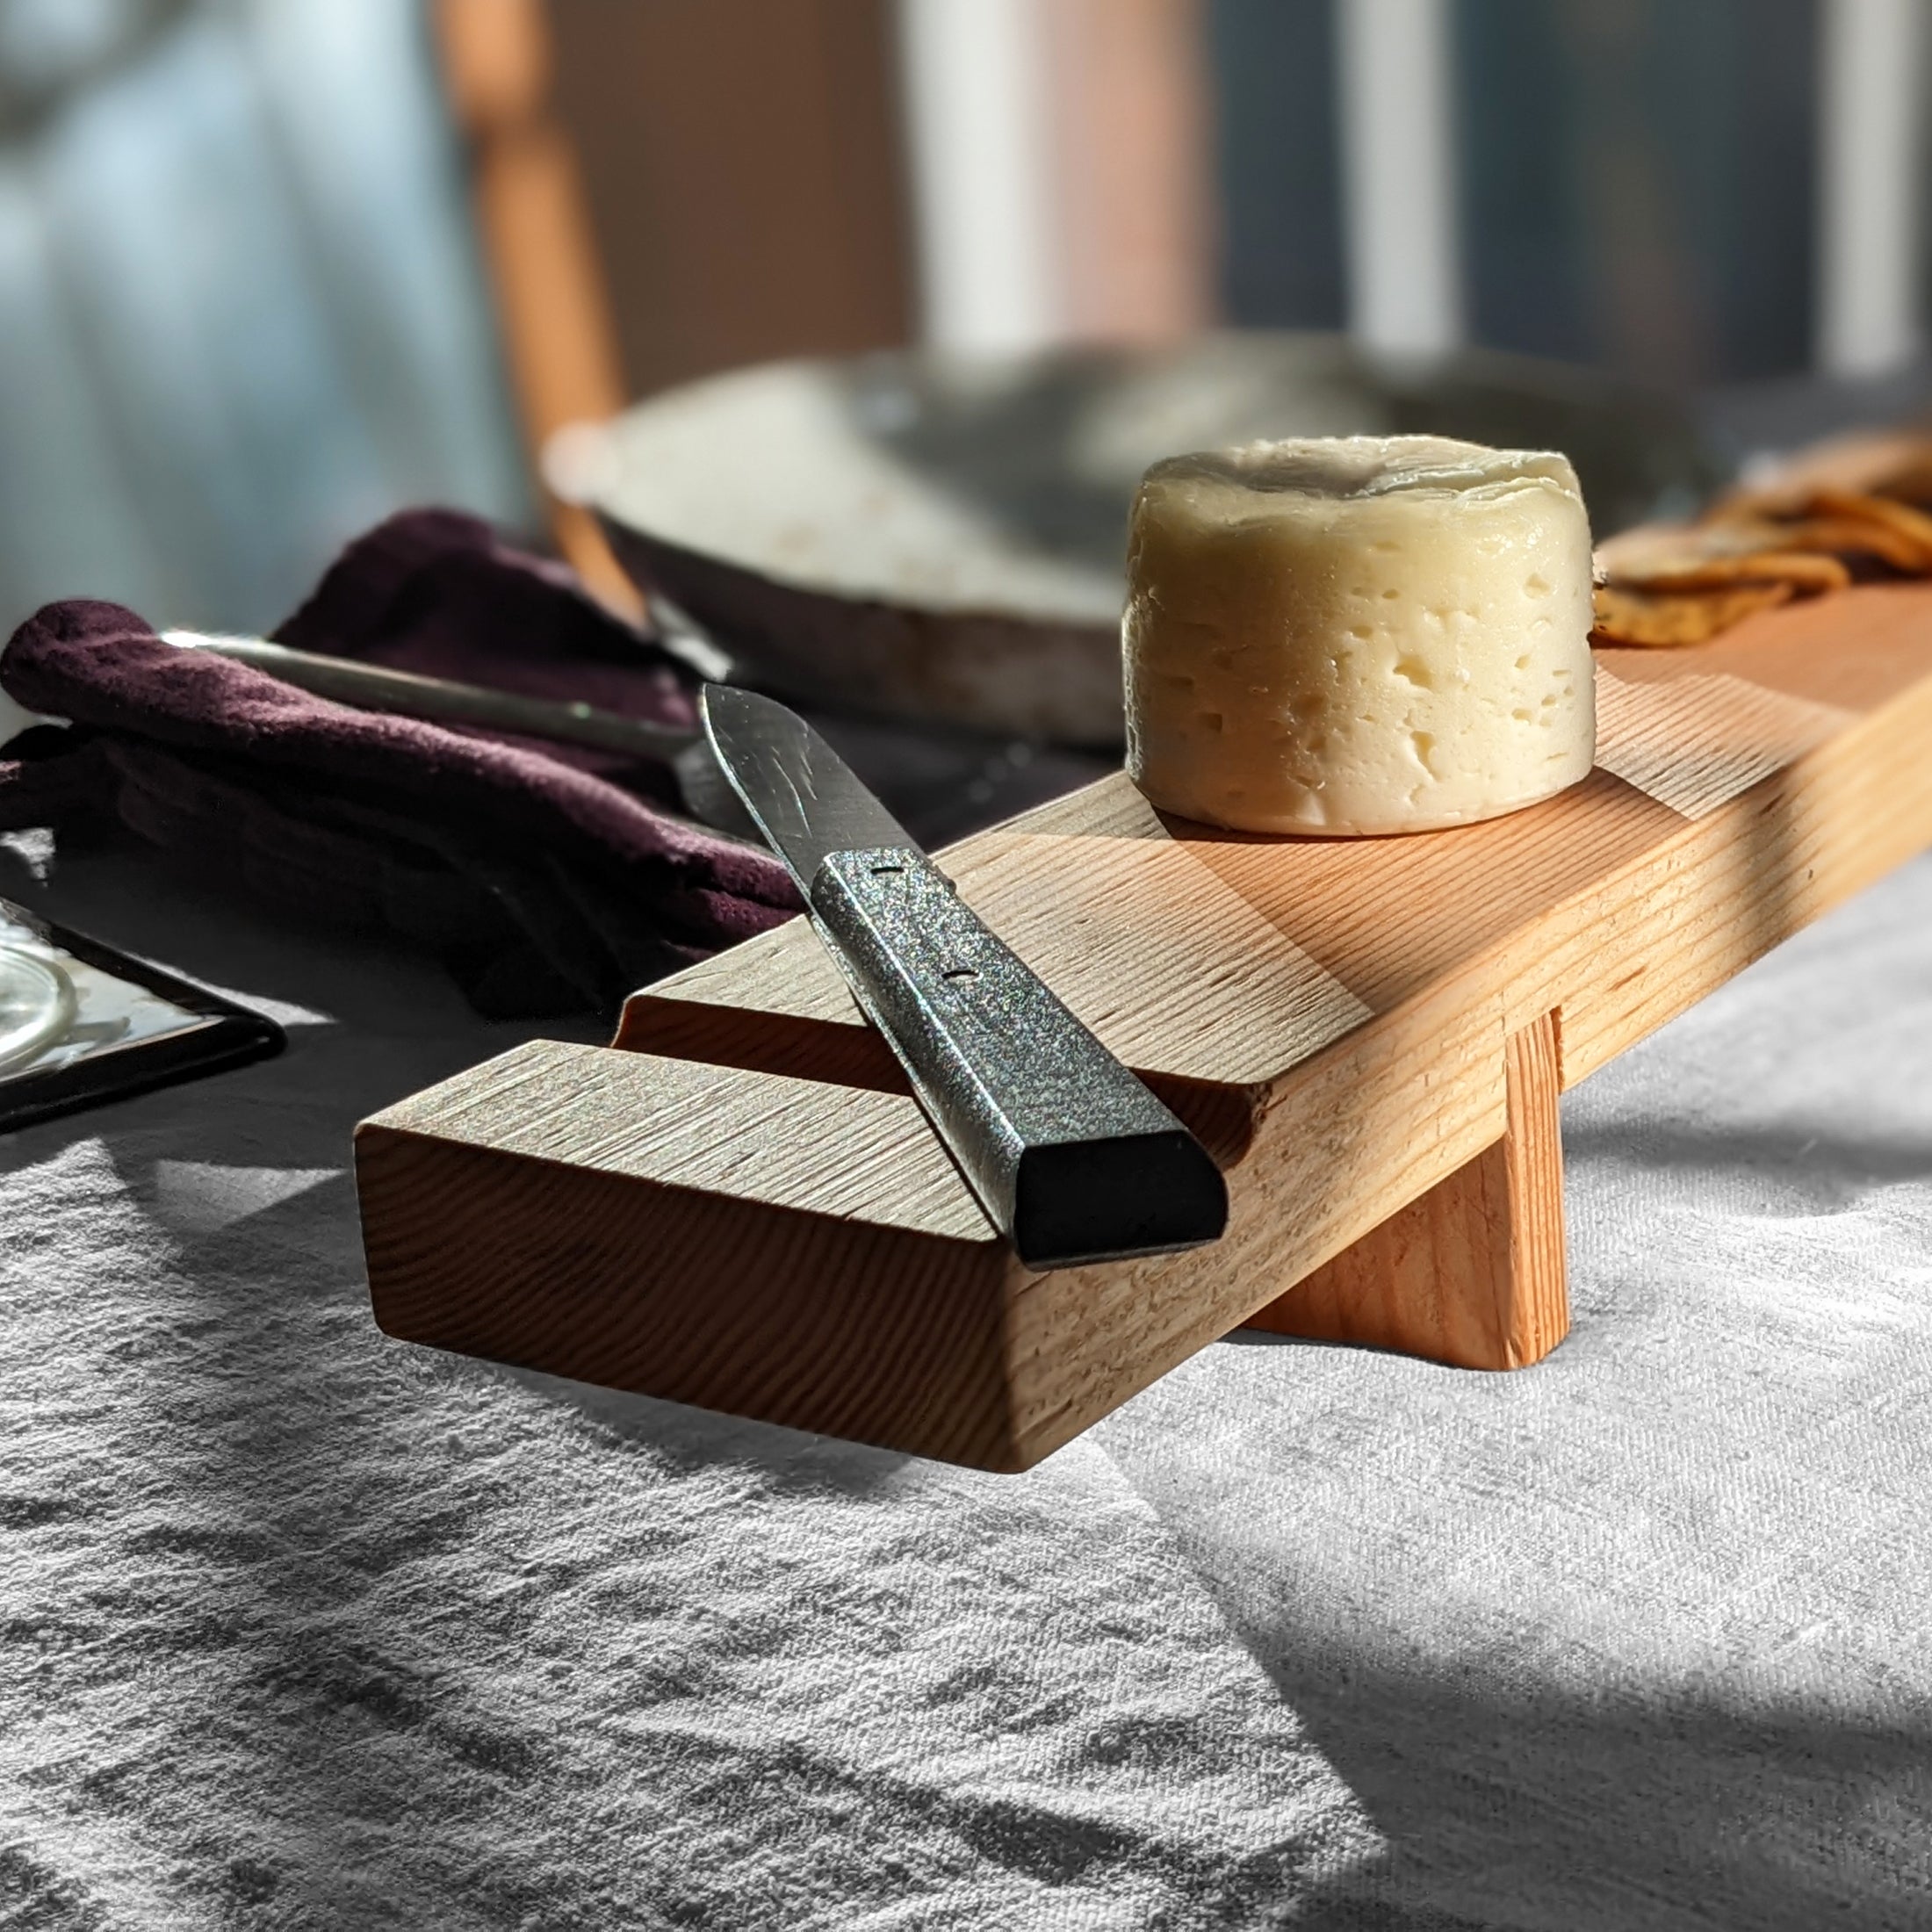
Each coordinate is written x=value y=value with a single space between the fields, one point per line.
x=1132 y=143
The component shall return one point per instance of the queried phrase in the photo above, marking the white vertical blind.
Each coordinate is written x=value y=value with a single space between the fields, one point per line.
x=982 y=191
x=1396 y=87
x=1870 y=159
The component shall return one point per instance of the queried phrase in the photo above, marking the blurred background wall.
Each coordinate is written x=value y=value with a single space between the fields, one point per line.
x=240 y=312
x=271 y=268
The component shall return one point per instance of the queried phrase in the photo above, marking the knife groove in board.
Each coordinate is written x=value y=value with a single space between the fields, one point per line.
x=1174 y=966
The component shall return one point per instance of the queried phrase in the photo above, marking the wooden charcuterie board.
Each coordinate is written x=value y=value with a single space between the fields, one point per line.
x=740 y=1205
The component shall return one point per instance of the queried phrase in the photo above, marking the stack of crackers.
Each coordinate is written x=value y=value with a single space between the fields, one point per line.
x=1851 y=511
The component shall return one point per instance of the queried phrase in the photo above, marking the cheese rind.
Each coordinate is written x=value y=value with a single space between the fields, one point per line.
x=1358 y=635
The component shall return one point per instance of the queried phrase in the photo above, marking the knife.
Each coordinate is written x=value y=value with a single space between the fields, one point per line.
x=409 y=694
x=1071 y=1156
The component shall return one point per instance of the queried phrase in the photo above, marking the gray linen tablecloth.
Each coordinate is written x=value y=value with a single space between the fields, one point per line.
x=302 y=1627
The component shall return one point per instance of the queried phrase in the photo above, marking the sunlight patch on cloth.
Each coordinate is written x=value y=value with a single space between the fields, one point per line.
x=204 y=1197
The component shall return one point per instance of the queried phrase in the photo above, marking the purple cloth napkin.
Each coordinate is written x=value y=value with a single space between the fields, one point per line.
x=550 y=878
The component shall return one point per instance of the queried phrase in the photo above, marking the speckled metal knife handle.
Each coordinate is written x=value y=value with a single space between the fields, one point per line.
x=1070 y=1156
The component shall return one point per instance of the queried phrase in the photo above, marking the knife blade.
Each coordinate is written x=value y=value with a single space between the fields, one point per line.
x=1070 y=1155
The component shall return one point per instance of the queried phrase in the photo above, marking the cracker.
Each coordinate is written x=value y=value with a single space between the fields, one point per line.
x=1909 y=530
x=1848 y=537
x=1652 y=617
x=1711 y=555
x=1895 y=463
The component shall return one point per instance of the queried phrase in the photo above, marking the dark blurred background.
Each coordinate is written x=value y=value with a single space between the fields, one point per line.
x=271 y=268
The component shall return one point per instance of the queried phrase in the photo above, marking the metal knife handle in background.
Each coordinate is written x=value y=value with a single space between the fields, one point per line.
x=408 y=694
x=376 y=687
x=1069 y=1152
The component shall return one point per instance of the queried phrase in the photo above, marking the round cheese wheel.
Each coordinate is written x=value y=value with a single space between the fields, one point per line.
x=1359 y=634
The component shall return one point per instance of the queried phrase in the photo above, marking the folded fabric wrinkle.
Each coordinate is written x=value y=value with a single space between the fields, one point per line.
x=550 y=878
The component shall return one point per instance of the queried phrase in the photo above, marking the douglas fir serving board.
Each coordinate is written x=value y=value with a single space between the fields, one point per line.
x=740 y=1205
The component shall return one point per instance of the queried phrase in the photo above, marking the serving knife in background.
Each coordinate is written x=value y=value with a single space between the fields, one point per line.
x=1071 y=1156
x=445 y=700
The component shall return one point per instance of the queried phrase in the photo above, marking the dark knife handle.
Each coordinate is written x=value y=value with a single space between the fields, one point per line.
x=1070 y=1156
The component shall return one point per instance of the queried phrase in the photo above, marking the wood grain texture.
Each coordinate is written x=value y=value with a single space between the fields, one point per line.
x=1369 y=1017
x=1699 y=742
x=1177 y=968
x=651 y=1224
x=1473 y=1272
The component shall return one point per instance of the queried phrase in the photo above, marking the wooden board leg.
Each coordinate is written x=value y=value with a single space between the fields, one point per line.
x=1473 y=1274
